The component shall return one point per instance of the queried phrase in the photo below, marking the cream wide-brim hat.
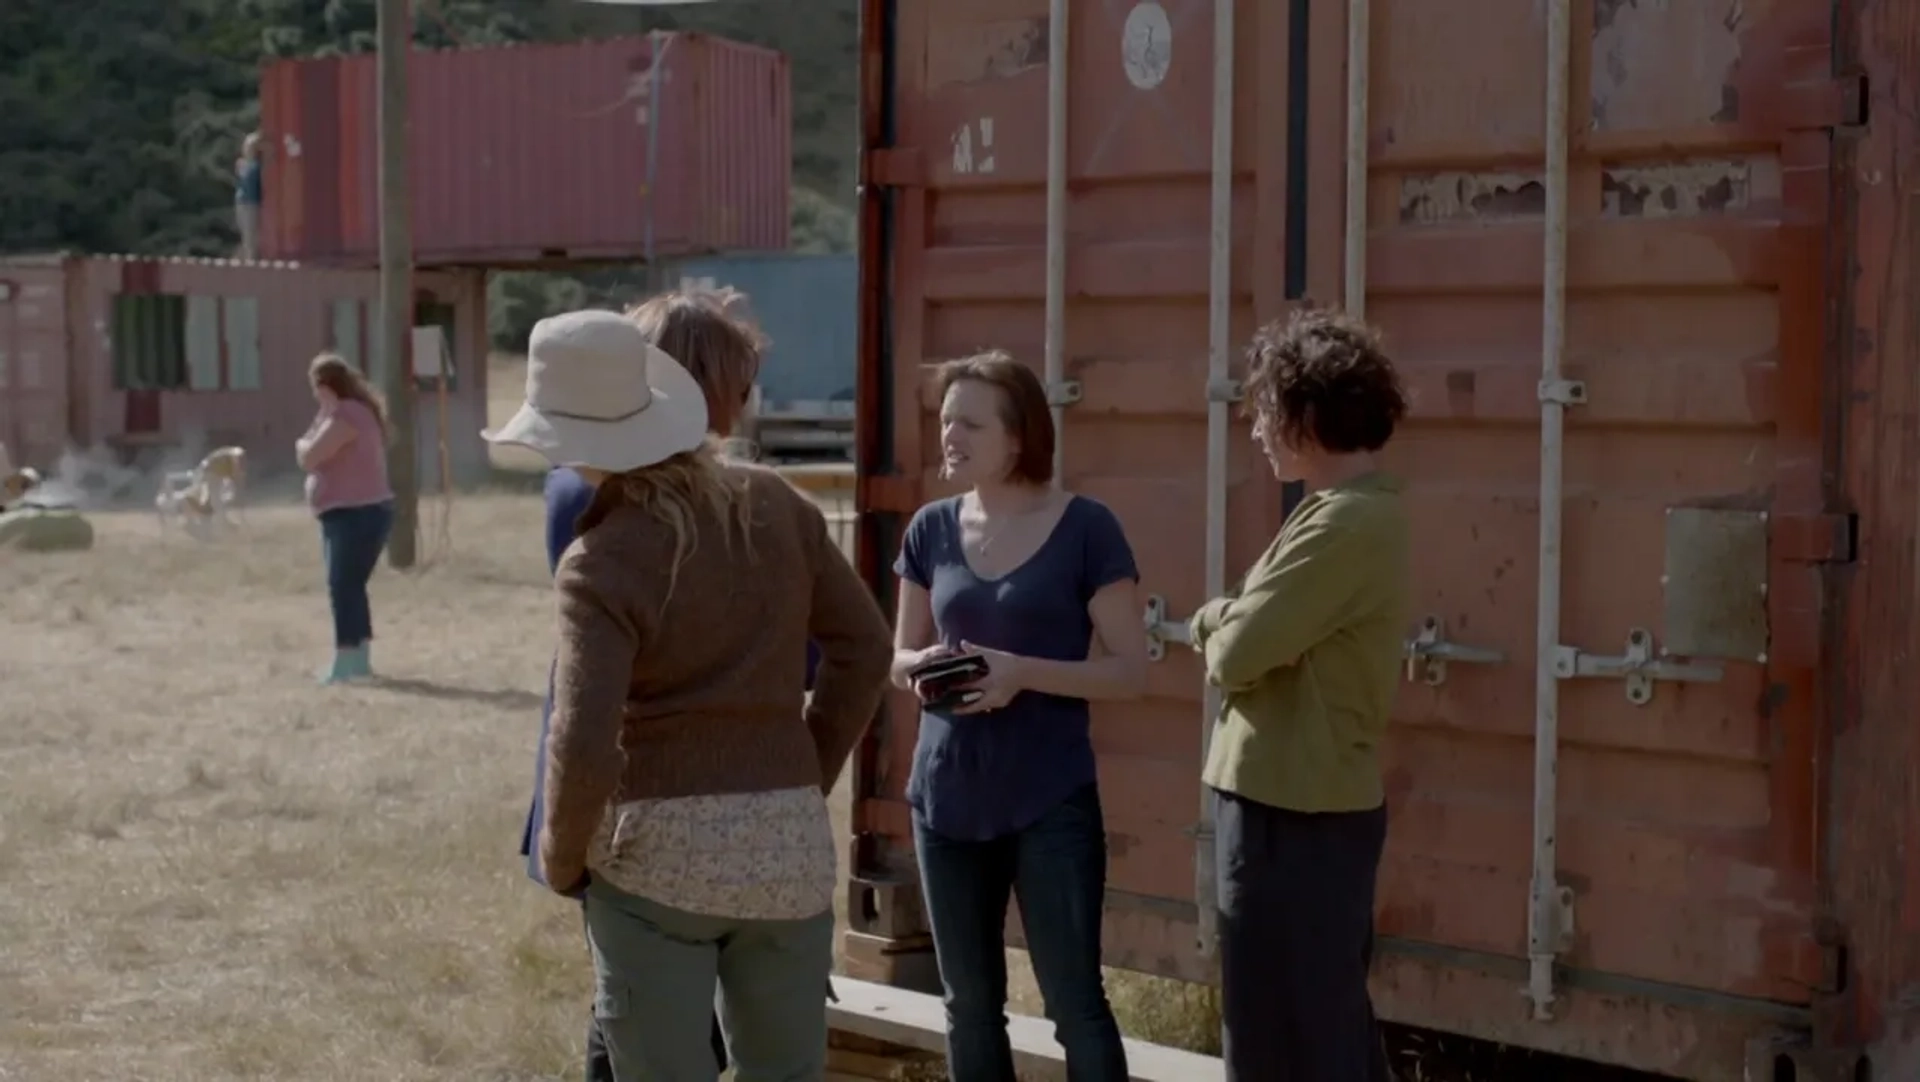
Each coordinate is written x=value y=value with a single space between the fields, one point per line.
x=600 y=395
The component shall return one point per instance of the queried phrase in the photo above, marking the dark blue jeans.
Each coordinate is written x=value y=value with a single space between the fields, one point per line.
x=351 y=540
x=1057 y=871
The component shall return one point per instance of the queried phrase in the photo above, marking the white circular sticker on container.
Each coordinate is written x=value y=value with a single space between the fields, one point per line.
x=1146 y=45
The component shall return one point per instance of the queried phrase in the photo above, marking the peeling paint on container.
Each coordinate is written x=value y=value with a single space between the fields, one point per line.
x=1434 y=198
x=537 y=153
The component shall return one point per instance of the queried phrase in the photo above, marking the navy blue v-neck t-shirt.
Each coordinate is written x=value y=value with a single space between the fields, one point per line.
x=984 y=776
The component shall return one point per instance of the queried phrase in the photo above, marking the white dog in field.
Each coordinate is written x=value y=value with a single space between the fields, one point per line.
x=205 y=497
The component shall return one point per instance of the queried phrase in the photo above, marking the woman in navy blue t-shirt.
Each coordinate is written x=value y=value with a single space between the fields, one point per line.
x=1041 y=584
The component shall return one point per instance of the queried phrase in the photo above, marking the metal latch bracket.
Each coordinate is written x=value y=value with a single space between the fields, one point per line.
x=1162 y=629
x=1428 y=653
x=1064 y=393
x=1639 y=666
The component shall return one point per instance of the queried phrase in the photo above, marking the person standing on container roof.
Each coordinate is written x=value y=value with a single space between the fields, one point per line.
x=1041 y=585
x=723 y=355
x=344 y=453
x=684 y=791
x=248 y=190
x=1307 y=654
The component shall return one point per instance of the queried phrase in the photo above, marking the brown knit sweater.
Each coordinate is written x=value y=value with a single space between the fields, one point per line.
x=703 y=692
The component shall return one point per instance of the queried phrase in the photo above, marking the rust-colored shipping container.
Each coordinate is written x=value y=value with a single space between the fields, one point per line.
x=623 y=149
x=142 y=356
x=1682 y=834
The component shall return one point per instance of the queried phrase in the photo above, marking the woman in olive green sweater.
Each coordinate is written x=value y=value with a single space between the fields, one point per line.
x=1307 y=655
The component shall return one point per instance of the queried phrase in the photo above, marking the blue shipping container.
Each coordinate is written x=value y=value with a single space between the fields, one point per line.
x=806 y=305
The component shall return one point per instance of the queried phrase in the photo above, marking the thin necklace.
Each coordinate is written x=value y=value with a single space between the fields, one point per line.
x=986 y=541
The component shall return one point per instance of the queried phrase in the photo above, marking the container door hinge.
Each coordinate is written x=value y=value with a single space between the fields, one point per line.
x=1640 y=666
x=896 y=167
x=1836 y=103
x=1064 y=393
x=1815 y=538
x=1428 y=653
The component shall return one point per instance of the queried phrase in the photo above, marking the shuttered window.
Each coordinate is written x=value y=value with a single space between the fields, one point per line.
x=203 y=343
x=170 y=342
x=150 y=342
x=240 y=331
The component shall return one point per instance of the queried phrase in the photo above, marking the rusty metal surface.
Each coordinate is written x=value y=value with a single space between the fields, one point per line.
x=71 y=330
x=537 y=153
x=34 y=397
x=1704 y=269
x=1871 y=832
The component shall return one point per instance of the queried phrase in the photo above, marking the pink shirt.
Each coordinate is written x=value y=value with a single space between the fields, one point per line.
x=355 y=475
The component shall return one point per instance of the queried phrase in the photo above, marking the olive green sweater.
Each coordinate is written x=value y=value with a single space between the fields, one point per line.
x=1308 y=654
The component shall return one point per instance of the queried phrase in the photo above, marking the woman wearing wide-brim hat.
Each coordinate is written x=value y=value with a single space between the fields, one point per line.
x=687 y=769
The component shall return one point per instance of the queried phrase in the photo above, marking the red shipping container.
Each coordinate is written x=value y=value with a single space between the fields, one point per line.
x=536 y=153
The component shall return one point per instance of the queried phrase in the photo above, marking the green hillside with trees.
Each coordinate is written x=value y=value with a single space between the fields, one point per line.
x=120 y=119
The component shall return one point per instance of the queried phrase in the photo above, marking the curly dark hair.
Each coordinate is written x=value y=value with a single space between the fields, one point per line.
x=1322 y=378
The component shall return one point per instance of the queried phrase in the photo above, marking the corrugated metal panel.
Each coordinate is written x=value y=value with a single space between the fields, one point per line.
x=538 y=152
x=806 y=305
x=35 y=398
x=1707 y=246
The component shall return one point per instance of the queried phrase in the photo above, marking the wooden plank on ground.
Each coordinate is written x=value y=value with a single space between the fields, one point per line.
x=917 y=1020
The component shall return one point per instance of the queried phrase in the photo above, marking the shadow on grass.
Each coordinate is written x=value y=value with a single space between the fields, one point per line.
x=510 y=698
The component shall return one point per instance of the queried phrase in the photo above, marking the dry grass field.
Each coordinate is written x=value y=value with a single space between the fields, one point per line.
x=217 y=870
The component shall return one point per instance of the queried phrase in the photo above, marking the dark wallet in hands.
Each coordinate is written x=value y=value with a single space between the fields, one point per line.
x=941 y=682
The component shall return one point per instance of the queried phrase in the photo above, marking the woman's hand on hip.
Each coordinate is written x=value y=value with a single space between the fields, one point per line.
x=1001 y=683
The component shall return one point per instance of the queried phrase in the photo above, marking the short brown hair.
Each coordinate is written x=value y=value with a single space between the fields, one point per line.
x=1023 y=408
x=1322 y=377
x=707 y=331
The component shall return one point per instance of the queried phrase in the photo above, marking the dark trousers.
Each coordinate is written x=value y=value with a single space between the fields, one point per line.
x=351 y=540
x=1057 y=870
x=1296 y=939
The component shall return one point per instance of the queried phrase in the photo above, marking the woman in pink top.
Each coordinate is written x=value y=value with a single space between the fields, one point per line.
x=345 y=455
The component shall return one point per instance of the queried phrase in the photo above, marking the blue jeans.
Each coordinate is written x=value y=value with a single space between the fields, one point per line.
x=1057 y=870
x=351 y=540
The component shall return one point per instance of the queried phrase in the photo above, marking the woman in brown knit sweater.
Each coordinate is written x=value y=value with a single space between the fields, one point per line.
x=687 y=769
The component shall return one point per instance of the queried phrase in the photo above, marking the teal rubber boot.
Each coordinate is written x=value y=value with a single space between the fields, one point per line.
x=349 y=663
x=363 y=661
